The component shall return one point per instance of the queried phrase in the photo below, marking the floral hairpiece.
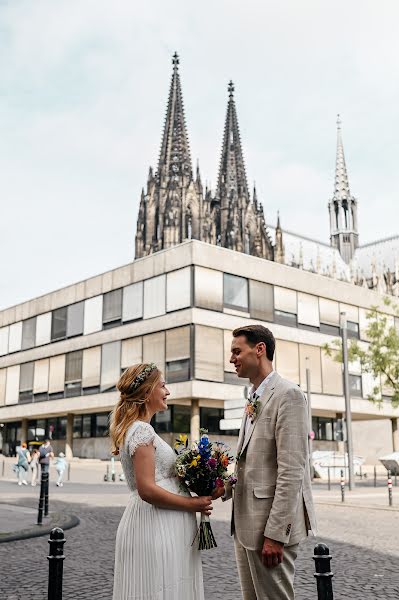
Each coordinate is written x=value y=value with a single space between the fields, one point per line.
x=143 y=376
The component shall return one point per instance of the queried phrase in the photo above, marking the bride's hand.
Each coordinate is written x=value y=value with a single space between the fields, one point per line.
x=202 y=504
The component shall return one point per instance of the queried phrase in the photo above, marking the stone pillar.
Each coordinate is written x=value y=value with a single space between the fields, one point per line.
x=395 y=434
x=69 y=437
x=24 y=430
x=195 y=419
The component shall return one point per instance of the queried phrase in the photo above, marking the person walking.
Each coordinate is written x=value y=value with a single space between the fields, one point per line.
x=46 y=453
x=60 y=465
x=34 y=466
x=272 y=499
x=23 y=463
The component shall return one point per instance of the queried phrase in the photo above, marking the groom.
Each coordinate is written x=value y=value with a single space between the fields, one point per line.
x=272 y=499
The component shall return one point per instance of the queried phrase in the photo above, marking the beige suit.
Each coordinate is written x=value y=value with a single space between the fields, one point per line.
x=272 y=497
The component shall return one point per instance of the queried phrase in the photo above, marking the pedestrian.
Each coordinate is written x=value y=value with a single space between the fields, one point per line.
x=60 y=464
x=34 y=466
x=46 y=452
x=23 y=463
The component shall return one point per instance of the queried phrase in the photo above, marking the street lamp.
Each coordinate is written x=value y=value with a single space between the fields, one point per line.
x=311 y=433
x=348 y=414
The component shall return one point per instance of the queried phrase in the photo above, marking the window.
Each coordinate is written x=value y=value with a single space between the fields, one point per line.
x=329 y=312
x=73 y=373
x=26 y=382
x=15 y=337
x=178 y=289
x=154 y=349
x=178 y=354
x=261 y=300
x=155 y=297
x=208 y=288
x=353 y=330
x=325 y=429
x=133 y=302
x=28 y=333
x=209 y=359
x=181 y=419
x=355 y=385
x=12 y=384
x=210 y=419
x=178 y=370
x=132 y=352
x=101 y=425
x=56 y=428
x=40 y=380
x=77 y=426
x=235 y=292
x=3 y=376
x=86 y=426
x=310 y=358
x=285 y=300
x=91 y=370
x=163 y=421
x=112 y=309
x=308 y=311
x=331 y=375
x=4 y=332
x=285 y=318
x=110 y=366
x=43 y=329
x=57 y=377
x=287 y=360
x=59 y=324
x=75 y=319
x=329 y=329
x=93 y=315
x=397 y=324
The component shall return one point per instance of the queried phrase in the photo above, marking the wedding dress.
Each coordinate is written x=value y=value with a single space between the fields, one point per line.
x=154 y=556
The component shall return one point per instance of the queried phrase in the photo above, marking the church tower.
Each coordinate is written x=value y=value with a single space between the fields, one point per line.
x=240 y=220
x=343 y=207
x=171 y=208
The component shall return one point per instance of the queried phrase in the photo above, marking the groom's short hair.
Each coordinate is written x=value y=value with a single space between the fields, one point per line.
x=256 y=334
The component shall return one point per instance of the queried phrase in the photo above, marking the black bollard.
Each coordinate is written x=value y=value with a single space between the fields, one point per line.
x=323 y=572
x=389 y=488
x=342 y=486
x=375 y=476
x=55 y=564
x=43 y=480
x=46 y=484
x=329 y=479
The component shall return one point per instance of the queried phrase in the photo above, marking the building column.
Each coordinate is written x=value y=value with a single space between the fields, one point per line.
x=69 y=437
x=24 y=430
x=195 y=419
x=395 y=434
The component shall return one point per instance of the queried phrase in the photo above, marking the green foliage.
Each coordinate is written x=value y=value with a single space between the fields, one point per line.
x=379 y=356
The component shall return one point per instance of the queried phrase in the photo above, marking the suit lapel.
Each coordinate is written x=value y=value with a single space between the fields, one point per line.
x=242 y=433
x=264 y=399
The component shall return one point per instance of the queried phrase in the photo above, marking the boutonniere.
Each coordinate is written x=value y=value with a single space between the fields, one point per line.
x=252 y=407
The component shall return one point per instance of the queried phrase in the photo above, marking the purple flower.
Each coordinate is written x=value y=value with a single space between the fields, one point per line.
x=219 y=482
x=212 y=463
x=232 y=480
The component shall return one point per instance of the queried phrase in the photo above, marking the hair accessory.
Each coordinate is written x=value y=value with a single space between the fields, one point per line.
x=143 y=376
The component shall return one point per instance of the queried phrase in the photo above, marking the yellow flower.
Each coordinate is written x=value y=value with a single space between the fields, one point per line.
x=183 y=438
x=194 y=462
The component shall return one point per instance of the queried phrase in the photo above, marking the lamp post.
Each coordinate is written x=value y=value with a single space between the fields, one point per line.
x=348 y=414
x=310 y=434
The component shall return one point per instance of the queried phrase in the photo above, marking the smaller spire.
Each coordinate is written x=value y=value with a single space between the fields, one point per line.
x=230 y=89
x=278 y=220
x=255 y=196
x=339 y=122
x=175 y=61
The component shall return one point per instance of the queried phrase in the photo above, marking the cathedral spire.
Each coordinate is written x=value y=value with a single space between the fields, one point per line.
x=232 y=177
x=175 y=159
x=341 y=186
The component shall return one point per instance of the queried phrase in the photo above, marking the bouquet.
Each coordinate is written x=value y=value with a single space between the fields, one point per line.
x=203 y=468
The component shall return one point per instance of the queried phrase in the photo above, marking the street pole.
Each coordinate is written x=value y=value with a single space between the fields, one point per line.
x=309 y=397
x=348 y=414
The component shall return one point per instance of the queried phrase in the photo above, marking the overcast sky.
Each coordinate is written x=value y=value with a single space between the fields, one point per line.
x=83 y=91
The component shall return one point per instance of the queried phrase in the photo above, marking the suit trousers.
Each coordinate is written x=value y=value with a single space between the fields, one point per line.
x=262 y=583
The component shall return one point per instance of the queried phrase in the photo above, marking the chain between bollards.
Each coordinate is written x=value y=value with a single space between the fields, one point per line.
x=389 y=488
x=56 y=564
x=41 y=510
x=323 y=572
x=342 y=486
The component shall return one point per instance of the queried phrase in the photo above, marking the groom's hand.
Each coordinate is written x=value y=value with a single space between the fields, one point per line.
x=272 y=552
x=218 y=492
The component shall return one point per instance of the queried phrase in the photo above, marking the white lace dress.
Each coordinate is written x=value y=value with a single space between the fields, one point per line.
x=154 y=558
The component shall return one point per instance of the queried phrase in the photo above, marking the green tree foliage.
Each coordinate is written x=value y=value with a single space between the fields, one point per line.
x=379 y=356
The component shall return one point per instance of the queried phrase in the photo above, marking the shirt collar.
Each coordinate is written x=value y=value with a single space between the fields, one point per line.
x=259 y=391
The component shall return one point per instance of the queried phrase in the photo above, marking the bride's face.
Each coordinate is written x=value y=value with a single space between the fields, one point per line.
x=158 y=399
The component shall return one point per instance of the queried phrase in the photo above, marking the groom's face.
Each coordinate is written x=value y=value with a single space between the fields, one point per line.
x=244 y=357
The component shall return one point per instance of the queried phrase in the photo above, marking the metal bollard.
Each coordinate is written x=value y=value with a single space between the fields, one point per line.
x=43 y=478
x=389 y=488
x=113 y=469
x=4 y=466
x=46 y=485
x=342 y=486
x=375 y=476
x=329 y=478
x=323 y=572
x=69 y=471
x=55 y=564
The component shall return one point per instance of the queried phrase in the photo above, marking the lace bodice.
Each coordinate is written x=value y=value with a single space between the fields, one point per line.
x=142 y=434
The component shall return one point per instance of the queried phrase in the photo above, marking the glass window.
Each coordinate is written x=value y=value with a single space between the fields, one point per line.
x=181 y=419
x=287 y=360
x=4 y=332
x=59 y=323
x=261 y=300
x=43 y=329
x=235 y=292
x=110 y=365
x=91 y=369
x=75 y=319
x=310 y=358
x=28 y=333
x=163 y=421
x=324 y=428
x=308 y=310
x=353 y=329
x=41 y=429
x=210 y=419
x=133 y=302
x=101 y=429
x=178 y=370
x=86 y=426
x=178 y=343
x=178 y=289
x=61 y=428
x=93 y=315
x=329 y=329
x=209 y=353
x=73 y=373
x=355 y=385
x=155 y=297
x=285 y=300
x=208 y=288
x=77 y=426
x=285 y=318
x=26 y=382
x=112 y=308
x=154 y=349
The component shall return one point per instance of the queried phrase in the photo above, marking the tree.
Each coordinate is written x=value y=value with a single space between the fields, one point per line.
x=379 y=356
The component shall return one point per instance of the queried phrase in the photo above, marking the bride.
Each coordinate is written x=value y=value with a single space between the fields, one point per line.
x=154 y=556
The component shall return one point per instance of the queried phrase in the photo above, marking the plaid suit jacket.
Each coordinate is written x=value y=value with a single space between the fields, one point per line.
x=273 y=497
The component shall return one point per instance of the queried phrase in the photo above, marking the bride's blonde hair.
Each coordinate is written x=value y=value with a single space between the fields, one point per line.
x=136 y=385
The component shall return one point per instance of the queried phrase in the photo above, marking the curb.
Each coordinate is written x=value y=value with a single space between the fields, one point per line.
x=56 y=520
x=357 y=506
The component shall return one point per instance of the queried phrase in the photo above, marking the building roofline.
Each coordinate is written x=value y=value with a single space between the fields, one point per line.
x=381 y=241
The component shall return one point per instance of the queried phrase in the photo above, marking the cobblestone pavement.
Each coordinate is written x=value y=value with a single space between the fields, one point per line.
x=368 y=570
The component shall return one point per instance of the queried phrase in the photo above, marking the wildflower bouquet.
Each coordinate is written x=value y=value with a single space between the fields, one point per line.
x=203 y=468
